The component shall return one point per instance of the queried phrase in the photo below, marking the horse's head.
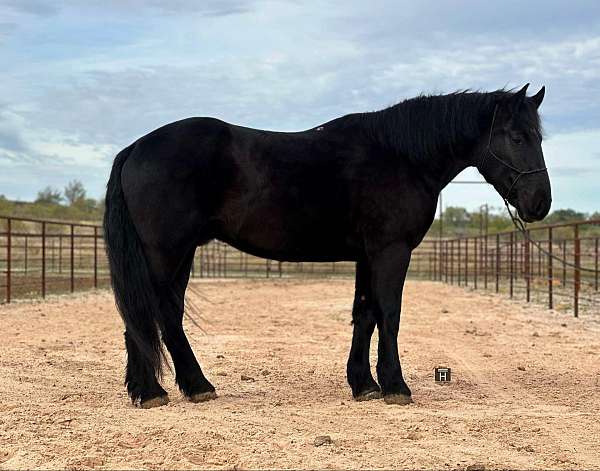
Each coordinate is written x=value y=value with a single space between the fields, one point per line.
x=513 y=161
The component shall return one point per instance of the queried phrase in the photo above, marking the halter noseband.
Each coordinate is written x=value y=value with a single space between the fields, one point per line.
x=519 y=172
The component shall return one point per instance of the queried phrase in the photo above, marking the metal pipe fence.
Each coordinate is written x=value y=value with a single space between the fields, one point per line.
x=556 y=265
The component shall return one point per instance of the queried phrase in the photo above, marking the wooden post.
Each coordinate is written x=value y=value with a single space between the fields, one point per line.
x=550 y=274
x=577 y=280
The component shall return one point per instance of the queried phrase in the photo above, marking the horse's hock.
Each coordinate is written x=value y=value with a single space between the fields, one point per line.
x=523 y=391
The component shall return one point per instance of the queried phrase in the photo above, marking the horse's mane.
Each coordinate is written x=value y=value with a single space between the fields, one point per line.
x=429 y=127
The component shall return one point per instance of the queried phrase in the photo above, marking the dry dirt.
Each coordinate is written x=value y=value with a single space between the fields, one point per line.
x=525 y=389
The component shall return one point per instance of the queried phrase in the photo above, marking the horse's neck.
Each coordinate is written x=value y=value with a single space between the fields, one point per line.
x=449 y=168
x=459 y=152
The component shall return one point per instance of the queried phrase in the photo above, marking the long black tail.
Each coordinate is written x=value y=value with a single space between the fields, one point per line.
x=134 y=291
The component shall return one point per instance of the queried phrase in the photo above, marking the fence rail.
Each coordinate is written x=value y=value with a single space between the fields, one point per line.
x=39 y=257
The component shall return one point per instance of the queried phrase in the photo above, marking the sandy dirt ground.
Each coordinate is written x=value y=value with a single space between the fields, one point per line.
x=525 y=391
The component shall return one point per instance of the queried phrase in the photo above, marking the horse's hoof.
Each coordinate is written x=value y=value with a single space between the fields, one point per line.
x=368 y=395
x=203 y=397
x=155 y=402
x=400 y=399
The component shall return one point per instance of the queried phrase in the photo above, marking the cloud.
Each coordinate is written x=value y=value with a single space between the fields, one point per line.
x=87 y=78
x=31 y=7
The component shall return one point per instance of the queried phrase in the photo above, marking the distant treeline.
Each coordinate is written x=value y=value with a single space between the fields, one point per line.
x=458 y=221
x=73 y=204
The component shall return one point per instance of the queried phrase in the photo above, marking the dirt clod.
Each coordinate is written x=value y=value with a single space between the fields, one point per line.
x=323 y=440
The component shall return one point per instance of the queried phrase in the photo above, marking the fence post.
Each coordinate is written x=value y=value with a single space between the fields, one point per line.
x=95 y=257
x=475 y=272
x=497 y=263
x=434 y=273
x=26 y=254
x=201 y=260
x=43 y=259
x=596 y=265
x=564 y=257
x=550 y=274
x=60 y=243
x=451 y=262
x=577 y=256
x=511 y=262
x=72 y=256
x=527 y=265
x=446 y=261
x=485 y=263
x=467 y=261
x=440 y=273
x=458 y=262
x=8 y=259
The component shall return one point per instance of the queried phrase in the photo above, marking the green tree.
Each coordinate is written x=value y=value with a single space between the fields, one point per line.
x=49 y=195
x=75 y=193
x=565 y=215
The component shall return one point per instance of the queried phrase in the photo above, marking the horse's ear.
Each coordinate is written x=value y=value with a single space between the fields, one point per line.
x=521 y=94
x=514 y=100
x=538 y=97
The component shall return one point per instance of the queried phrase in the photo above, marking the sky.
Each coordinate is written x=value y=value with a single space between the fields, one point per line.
x=80 y=80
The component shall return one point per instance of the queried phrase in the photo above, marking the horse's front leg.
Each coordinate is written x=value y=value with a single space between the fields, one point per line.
x=388 y=272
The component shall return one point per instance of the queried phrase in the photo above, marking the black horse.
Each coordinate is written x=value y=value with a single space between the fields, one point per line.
x=361 y=188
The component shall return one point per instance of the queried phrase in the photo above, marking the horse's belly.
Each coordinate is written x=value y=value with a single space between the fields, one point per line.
x=294 y=240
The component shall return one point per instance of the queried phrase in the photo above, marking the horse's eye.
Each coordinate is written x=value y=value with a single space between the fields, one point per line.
x=516 y=139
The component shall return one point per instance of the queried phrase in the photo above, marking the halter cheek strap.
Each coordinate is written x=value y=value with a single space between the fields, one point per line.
x=489 y=151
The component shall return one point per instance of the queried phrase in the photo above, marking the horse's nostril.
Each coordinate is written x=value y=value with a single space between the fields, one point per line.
x=541 y=207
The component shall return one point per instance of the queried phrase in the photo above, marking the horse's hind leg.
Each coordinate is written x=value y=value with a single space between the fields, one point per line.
x=140 y=378
x=188 y=373
x=359 y=374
